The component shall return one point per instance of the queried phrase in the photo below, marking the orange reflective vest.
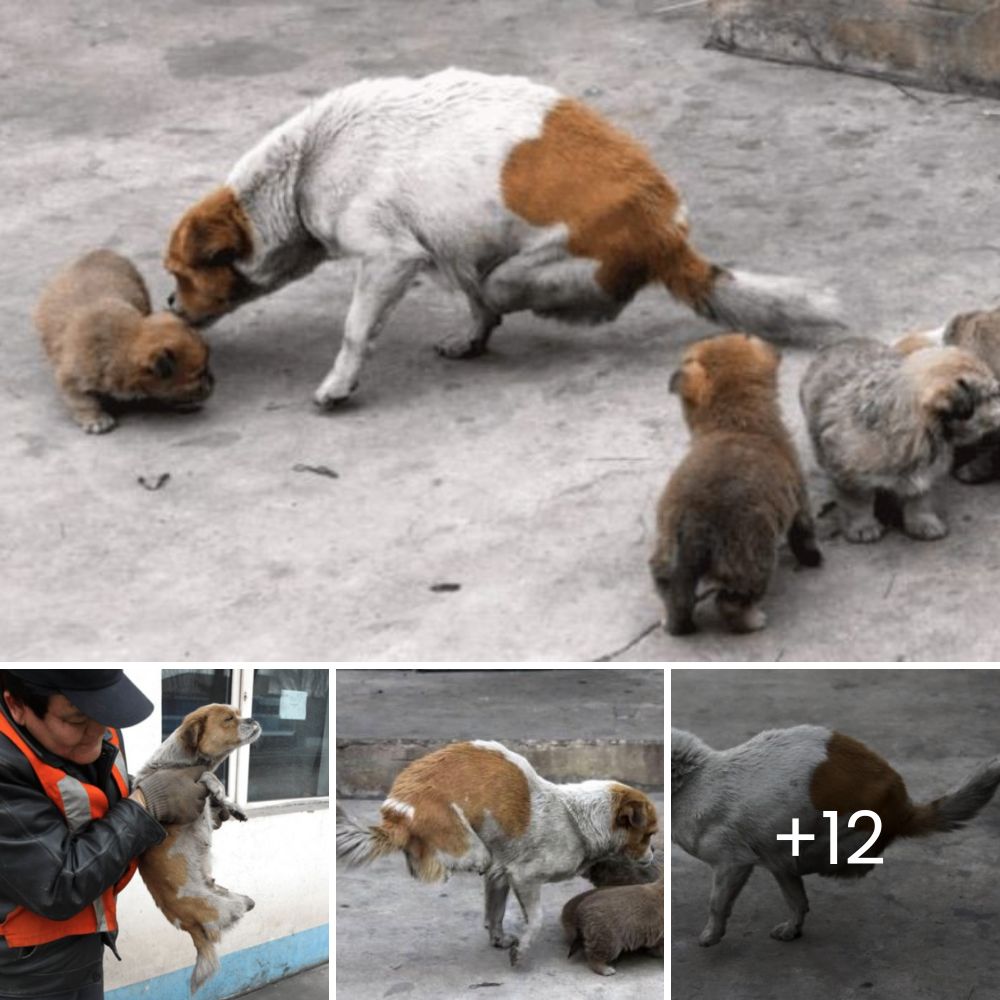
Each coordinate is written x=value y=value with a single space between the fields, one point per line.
x=80 y=804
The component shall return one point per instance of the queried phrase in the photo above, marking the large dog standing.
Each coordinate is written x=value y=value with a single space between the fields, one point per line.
x=728 y=808
x=479 y=807
x=507 y=191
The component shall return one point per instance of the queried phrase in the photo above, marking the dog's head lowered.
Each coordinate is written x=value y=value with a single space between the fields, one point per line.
x=210 y=239
x=957 y=391
x=633 y=820
x=212 y=732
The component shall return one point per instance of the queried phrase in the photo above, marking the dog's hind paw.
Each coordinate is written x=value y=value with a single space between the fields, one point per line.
x=787 y=931
x=515 y=952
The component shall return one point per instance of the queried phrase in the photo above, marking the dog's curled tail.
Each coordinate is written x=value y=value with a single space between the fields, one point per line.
x=789 y=310
x=953 y=810
x=361 y=845
x=208 y=958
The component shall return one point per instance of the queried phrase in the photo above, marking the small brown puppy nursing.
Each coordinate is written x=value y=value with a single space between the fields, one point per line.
x=94 y=319
x=606 y=922
x=738 y=490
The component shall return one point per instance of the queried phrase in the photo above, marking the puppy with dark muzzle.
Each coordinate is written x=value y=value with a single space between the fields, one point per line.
x=887 y=419
x=606 y=922
x=738 y=490
x=96 y=326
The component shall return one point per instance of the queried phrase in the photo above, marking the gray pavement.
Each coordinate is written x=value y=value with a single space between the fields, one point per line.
x=400 y=937
x=313 y=984
x=925 y=926
x=527 y=478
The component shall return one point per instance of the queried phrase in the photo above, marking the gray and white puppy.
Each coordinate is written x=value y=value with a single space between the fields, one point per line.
x=881 y=419
x=606 y=922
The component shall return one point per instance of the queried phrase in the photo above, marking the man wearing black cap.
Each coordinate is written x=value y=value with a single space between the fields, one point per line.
x=71 y=826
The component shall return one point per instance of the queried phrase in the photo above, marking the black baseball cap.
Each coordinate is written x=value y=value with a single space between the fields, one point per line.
x=107 y=696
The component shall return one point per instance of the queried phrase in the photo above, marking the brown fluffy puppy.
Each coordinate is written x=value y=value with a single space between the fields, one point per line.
x=738 y=490
x=606 y=922
x=95 y=322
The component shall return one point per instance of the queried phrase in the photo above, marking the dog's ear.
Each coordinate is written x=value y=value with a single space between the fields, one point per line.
x=691 y=383
x=164 y=364
x=631 y=813
x=213 y=233
x=192 y=733
x=959 y=403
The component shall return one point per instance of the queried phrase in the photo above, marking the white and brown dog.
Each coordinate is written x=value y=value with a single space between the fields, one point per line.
x=480 y=807
x=728 y=808
x=177 y=871
x=502 y=188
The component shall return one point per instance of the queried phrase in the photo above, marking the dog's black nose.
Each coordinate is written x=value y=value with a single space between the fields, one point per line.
x=171 y=298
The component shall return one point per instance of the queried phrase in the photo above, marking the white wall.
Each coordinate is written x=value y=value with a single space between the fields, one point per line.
x=281 y=861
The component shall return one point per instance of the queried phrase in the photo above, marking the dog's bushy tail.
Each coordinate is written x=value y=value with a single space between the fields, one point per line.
x=208 y=958
x=788 y=310
x=361 y=845
x=953 y=810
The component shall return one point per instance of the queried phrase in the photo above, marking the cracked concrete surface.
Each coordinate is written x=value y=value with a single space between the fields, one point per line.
x=527 y=478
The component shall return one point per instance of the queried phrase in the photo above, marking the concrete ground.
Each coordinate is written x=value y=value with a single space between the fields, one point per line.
x=398 y=937
x=313 y=984
x=925 y=926
x=526 y=479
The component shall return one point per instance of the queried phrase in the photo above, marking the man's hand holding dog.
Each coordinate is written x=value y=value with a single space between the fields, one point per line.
x=173 y=795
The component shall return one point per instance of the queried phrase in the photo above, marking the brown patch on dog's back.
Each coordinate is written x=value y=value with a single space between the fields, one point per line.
x=854 y=777
x=208 y=239
x=475 y=779
x=618 y=206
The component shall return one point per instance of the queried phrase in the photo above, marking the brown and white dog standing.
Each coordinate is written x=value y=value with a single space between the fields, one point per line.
x=177 y=871
x=728 y=808
x=480 y=807
x=96 y=327
x=510 y=193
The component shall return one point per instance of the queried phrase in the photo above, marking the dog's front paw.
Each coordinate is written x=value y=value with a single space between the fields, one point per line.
x=502 y=940
x=709 y=936
x=235 y=812
x=99 y=425
x=864 y=530
x=787 y=931
x=927 y=527
x=332 y=394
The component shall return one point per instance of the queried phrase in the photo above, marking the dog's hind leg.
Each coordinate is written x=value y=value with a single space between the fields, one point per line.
x=727 y=881
x=496 y=889
x=795 y=896
x=380 y=284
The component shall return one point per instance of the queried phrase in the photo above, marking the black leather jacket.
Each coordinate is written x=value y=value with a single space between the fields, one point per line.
x=50 y=872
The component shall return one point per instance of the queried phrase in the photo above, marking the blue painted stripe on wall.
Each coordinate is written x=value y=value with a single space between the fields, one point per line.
x=241 y=971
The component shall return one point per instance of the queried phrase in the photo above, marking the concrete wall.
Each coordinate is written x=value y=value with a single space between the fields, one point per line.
x=940 y=44
x=282 y=861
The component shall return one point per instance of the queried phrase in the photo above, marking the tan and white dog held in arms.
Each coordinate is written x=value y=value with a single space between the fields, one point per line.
x=479 y=807
x=729 y=806
x=506 y=191
x=177 y=871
